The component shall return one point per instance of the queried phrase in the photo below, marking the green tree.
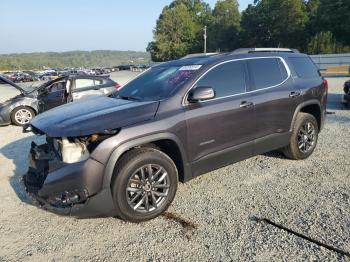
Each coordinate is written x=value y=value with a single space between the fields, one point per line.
x=334 y=16
x=324 y=43
x=311 y=7
x=175 y=34
x=224 y=27
x=275 y=23
x=202 y=15
x=179 y=30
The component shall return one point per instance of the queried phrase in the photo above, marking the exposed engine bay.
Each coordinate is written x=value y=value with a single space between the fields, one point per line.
x=71 y=151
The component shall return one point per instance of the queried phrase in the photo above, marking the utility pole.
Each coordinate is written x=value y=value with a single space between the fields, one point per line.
x=205 y=39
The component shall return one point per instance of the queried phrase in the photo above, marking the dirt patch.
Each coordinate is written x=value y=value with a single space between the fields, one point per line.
x=187 y=225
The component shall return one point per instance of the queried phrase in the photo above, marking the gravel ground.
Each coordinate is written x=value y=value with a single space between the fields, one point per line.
x=209 y=218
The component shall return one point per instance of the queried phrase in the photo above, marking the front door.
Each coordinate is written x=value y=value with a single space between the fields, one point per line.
x=221 y=130
x=54 y=95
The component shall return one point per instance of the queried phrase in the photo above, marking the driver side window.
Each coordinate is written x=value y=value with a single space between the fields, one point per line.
x=59 y=86
x=227 y=79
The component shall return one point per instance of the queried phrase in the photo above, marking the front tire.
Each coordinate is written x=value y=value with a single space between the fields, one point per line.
x=22 y=115
x=144 y=185
x=304 y=137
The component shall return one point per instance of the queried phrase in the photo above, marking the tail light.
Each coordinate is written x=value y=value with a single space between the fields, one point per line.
x=325 y=85
x=117 y=86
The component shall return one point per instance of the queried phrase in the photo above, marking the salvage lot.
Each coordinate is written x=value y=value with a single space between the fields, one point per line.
x=209 y=219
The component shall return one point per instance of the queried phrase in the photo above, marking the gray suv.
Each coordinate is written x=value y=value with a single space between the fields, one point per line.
x=124 y=155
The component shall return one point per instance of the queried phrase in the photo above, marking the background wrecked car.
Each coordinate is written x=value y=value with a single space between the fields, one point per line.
x=22 y=106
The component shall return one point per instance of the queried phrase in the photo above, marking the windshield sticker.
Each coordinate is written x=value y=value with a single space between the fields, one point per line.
x=190 y=67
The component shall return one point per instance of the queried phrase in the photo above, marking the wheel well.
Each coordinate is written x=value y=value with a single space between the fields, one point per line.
x=314 y=110
x=170 y=148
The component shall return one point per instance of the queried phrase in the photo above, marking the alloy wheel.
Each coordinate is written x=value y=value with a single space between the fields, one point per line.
x=306 y=137
x=23 y=116
x=148 y=188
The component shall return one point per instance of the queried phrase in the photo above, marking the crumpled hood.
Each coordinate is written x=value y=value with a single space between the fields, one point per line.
x=92 y=116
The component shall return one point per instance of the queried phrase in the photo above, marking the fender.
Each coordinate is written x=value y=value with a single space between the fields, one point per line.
x=6 y=110
x=118 y=151
x=300 y=106
x=25 y=101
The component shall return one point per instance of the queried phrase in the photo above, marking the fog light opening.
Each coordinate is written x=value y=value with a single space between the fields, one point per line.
x=68 y=199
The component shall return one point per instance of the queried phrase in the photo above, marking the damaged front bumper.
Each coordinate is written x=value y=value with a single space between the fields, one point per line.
x=67 y=189
x=4 y=118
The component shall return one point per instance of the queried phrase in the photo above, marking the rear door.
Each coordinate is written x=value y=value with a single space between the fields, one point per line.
x=274 y=97
x=86 y=87
x=221 y=130
x=106 y=85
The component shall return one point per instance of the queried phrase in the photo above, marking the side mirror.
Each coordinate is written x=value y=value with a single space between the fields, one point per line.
x=201 y=93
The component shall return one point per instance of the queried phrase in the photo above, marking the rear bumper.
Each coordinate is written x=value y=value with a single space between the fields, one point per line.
x=67 y=189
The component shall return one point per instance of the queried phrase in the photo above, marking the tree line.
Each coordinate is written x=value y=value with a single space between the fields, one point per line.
x=87 y=59
x=312 y=26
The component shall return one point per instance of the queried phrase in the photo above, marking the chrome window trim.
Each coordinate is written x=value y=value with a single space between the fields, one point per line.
x=247 y=92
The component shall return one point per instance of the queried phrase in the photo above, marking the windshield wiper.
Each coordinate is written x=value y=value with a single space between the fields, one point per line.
x=131 y=98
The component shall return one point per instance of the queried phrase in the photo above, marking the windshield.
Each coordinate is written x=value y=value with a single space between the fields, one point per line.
x=157 y=83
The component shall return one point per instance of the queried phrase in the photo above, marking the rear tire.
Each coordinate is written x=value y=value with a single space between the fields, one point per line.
x=304 y=137
x=22 y=115
x=144 y=185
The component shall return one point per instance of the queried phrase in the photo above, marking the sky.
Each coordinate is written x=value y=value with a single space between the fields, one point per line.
x=65 y=25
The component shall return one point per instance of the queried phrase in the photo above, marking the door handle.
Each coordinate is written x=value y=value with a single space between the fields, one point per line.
x=294 y=94
x=246 y=104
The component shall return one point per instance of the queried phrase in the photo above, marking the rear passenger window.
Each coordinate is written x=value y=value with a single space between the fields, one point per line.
x=227 y=79
x=267 y=72
x=304 y=67
x=98 y=82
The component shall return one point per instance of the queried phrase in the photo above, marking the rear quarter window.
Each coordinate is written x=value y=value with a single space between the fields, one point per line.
x=304 y=67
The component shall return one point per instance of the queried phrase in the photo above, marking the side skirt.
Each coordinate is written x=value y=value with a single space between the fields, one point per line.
x=222 y=158
x=238 y=153
x=271 y=142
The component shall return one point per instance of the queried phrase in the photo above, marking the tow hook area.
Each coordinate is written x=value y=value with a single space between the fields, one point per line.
x=39 y=158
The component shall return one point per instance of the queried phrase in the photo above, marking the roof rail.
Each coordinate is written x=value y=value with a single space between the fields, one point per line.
x=198 y=55
x=254 y=50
